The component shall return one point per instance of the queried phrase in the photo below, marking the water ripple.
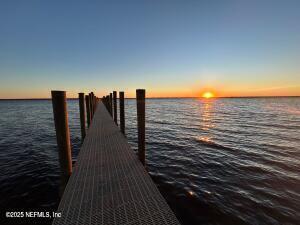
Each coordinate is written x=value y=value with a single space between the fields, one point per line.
x=222 y=161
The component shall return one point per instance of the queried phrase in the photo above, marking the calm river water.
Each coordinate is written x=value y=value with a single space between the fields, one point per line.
x=217 y=161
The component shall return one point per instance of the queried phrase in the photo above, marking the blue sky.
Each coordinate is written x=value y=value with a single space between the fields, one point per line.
x=171 y=48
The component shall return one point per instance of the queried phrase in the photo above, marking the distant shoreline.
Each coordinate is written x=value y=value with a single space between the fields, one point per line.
x=30 y=99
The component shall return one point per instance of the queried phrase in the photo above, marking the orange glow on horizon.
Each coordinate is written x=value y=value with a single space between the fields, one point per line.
x=193 y=91
x=208 y=94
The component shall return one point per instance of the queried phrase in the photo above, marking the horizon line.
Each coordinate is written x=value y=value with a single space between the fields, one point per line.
x=259 y=96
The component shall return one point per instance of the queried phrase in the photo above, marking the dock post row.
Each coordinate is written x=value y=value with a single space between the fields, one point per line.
x=140 y=101
x=102 y=166
x=60 y=113
x=87 y=107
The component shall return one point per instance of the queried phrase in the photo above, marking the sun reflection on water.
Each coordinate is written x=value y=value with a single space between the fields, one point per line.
x=205 y=139
x=206 y=116
x=191 y=193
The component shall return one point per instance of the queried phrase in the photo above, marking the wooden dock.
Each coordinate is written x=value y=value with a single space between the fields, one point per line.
x=109 y=185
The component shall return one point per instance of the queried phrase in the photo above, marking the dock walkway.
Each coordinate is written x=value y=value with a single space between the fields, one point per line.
x=109 y=185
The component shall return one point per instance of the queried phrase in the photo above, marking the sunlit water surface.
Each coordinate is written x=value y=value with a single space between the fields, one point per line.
x=217 y=161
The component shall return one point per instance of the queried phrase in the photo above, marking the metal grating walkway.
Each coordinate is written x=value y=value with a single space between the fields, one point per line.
x=109 y=185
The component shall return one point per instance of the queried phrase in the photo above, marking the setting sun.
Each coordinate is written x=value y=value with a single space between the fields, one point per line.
x=208 y=95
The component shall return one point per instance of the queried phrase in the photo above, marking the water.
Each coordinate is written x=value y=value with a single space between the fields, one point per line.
x=217 y=161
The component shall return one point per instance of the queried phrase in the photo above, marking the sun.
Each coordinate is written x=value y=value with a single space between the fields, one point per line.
x=208 y=95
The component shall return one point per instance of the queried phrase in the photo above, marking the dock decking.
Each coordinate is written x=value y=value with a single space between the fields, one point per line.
x=109 y=185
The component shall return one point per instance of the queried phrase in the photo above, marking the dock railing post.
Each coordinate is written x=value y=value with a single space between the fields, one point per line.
x=82 y=115
x=94 y=103
x=88 y=110
x=103 y=100
x=140 y=105
x=94 y=98
x=115 y=107
x=107 y=102
x=122 y=114
x=59 y=103
x=91 y=105
x=110 y=104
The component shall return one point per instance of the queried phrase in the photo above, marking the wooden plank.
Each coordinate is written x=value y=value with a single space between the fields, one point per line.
x=109 y=185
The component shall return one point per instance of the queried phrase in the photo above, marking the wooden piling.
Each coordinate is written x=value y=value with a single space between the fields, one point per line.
x=91 y=105
x=59 y=103
x=88 y=110
x=107 y=102
x=115 y=107
x=122 y=114
x=140 y=105
x=110 y=104
x=96 y=101
x=82 y=115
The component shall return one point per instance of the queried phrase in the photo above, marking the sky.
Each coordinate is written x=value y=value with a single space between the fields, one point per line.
x=171 y=48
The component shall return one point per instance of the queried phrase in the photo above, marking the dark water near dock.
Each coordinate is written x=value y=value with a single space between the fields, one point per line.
x=217 y=161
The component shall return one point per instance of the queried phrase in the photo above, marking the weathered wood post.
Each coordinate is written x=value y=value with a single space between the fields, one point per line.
x=96 y=101
x=82 y=115
x=59 y=103
x=110 y=104
x=140 y=105
x=122 y=115
x=115 y=107
x=88 y=110
x=91 y=105
x=106 y=102
x=92 y=101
